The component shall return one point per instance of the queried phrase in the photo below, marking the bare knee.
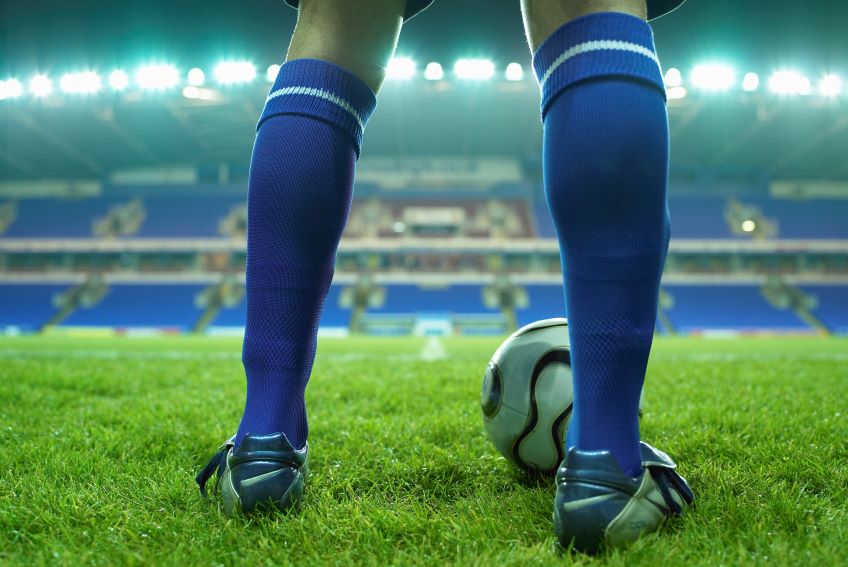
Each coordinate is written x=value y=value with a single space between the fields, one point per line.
x=543 y=17
x=358 y=35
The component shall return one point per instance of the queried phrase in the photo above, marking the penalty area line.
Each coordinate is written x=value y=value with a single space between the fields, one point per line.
x=433 y=350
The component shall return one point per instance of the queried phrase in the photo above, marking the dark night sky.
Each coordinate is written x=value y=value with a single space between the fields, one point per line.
x=53 y=36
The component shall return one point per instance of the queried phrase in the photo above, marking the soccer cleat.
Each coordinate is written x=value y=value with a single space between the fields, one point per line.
x=264 y=473
x=597 y=505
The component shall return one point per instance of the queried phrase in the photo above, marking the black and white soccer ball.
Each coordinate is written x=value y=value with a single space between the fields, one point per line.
x=527 y=395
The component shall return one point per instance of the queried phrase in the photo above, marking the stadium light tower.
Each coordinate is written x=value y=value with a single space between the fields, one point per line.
x=474 y=69
x=830 y=86
x=40 y=86
x=750 y=82
x=83 y=82
x=119 y=80
x=400 y=68
x=10 y=88
x=716 y=77
x=272 y=72
x=196 y=77
x=514 y=72
x=157 y=77
x=434 y=72
x=234 y=72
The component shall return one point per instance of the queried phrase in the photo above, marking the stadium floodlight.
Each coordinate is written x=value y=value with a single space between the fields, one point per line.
x=10 y=88
x=514 y=72
x=272 y=72
x=474 y=69
x=40 y=86
x=118 y=80
x=157 y=77
x=83 y=82
x=750 y=82
x=673 y=78
x=789 y=82
x=400 y=68
x=196 y=77
x=676 y=93
x=713 y=77
x=434 y=72
x=234 y=72
x=830 y=86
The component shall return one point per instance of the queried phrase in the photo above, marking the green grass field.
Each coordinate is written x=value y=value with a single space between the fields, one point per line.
x=102 y=439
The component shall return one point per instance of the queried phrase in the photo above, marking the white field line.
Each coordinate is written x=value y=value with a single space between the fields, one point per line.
x=433 y=350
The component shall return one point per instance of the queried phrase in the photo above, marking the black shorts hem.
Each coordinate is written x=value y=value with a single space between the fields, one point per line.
x=413 y=7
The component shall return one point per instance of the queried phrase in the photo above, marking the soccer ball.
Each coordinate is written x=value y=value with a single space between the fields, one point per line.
x=527 y=395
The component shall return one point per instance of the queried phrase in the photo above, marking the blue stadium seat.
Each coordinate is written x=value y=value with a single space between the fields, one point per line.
x=807 y=219
x=459 y=298
x=142 y=305
x=833 y=306
x=186 y=217
x=544 y=302
x=27 y=306
x=67 y=218
x=333 y=315
x=737 y=307
x=698 y=217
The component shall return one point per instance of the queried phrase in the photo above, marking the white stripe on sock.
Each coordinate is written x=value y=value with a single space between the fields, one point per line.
x=322 y=94
x=598 y=45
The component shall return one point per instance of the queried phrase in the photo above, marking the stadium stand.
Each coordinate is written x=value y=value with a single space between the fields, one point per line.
x=467 y=218
x=334 y=315
x=167 y=216
x=169 y=306
x=164 y=216
x=832 y=307
x=27 y=306
x=704 y=217
x=457 y=298
x=490 y=223
x=57 y=218
x=186 y=217
x=697 y=308
x=824 y=218
x=544 y=302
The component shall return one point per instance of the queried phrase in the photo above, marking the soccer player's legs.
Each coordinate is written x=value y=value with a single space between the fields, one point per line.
x=605 y=171
x=301 y=181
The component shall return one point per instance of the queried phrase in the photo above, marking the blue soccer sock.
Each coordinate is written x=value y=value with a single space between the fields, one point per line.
x=301 y=183
x=605 y=170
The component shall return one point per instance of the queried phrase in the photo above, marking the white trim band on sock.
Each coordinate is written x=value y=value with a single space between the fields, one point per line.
x=322 y=94
x=598 y=45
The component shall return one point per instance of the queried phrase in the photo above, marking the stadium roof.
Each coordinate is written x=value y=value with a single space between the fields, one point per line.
x=746 y=134
x=67 y=134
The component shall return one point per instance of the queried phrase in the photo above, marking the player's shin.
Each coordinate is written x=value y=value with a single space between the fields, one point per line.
x=605 y=168
x=301 y=183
